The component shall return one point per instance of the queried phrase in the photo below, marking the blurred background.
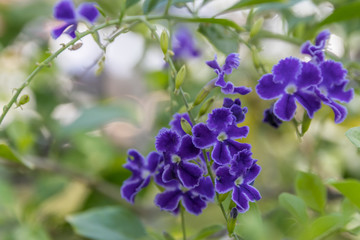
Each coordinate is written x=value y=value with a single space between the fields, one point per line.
x=69 y=142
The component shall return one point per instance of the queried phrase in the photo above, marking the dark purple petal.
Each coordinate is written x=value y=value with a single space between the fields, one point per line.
x=228 y=88
x=220 y=81
x=238 y=113
x=251 y=192
x=153 y=161
x=189 y=174
x=321 y=38
x=306 y=48
x=219 y=119
x=169 y=173
x=158 y=178
x=205 y=188
x=55 y=33
x=203 y=137
x=167 y=141
x=287 y=70
x=71 y=30
x=285 y=107
x=65 y=11
x=309 y=76
x=214 y=64
x=332 y=73
x=241 y=90
x=135 y=161
x=268 y=89
x=271 y=118
x=228 y=102
x=338 y=92
x=241 y=162
x=339 y=111
x=221 y=153
x=251 y=173
x=187 y=149
x=184 y=44
x=232 y=62
x=242 y=202
x=193 y=203
x=130 y=188
x=234 y=132
x=168 y=200
x=88 y=11
x=224 y=181
x=309 y=101
x=235 y=147
x=176 y=123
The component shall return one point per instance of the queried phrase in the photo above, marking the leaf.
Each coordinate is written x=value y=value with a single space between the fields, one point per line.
x=345 y=12
x=295 y=205
x=8 y=154
x=149 y=5
x=350 y=189
x=208 y=231
x=353 y=135
x=305 y=124
x=310 y=188
x=108 y=223
x=250 y=3
x=219 y=21
x=129 y=3
x=223 y=39
x=324 y=226
x=98 y=116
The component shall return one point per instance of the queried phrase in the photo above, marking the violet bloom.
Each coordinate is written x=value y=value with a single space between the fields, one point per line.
x=177 y=152
x=142 y=170
x=316 y=51
x=176 y=123
x=239 y=178
x=232 y=62
x=220 y=132
x=236 y=109
x=291 y=81
x=184 y=44
x=271 y=118
x=65 y=11
x=194 y=199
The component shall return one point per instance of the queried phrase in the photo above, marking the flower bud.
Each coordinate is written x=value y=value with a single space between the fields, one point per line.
x=179 y=80
x=205 y=107
x=24 y=99
x=255 y=29
x=204 y=92
x=232 y=220
x=185 y=125
x=164 y=42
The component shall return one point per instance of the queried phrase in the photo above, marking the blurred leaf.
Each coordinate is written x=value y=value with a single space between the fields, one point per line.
x=108 y=223
x=305 y=124
x=150 y=5
x=223 y=39
x=95 y=117
x=7 y=197
x=311 y=189
x=30 y=232
x=354 y=136
x=350 y=189
x=250 y=3
x=295 y=205
x=129 y=3
x=345 y=12
x=208 y=231
x=219 y=21
x=7 y=153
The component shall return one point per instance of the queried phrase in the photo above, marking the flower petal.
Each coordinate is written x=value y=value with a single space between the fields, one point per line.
x=332 y=73
x=88 y=11
x=239 y=113
x=219 y=119
x=189 y=174
x=203 y=137
x=56 y=32
x=224 y=181
x=252 y=193
x=221 y=153
x=268 y=89
x=339 y=111
x=220 y=81
x=309 y=101
x=234 y=132
x=167 y=141
x=176 y=123
x=187 y=150
x=193 y=204
x=205 y=188
x=168 y=200
x=338 y=92
x=285 y=107
x=242 y=202
x=251 y=173
x=153 y=161
x=241 y=90
x=65 y=10
x=287 y=70
x=309 y=76
x=235 y=147
x=214 y=64
x=232 y=61
x=241 y=162
x=130 y=188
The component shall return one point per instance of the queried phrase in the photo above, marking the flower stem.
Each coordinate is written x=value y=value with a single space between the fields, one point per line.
x=183 y=223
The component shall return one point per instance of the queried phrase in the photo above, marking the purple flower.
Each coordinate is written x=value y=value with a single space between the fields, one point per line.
x=176 y=123
x=142 y=170
x=291 y=81
x=239 y=178
x=65 y=11
x=177 y=152
x=316 y=51
x=183 y=44
x=232 y=62
x=271 y=118
x=236 y=109
x=193 y=199
x=220 y=132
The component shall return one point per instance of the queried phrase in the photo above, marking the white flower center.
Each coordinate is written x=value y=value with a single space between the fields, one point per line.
x=222 y=136
x=291 y=89
x=175 y=158
x=239 y=181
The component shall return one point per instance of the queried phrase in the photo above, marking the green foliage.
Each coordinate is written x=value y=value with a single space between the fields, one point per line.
x=295 y=205
x=354 y=136
x=108 y=223
x=310 y=188
x=347 y=188
x=345 y=12
x=207 y=232
x=250 y=3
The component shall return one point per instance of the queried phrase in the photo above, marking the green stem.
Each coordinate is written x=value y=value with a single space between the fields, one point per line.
x=183 y=223
x=166 y=12
x=296 y=124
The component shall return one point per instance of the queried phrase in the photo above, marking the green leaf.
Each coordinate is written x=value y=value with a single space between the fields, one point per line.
x=310 y=188
x=129 y=3
x=345 y=12
x=97 y=116
x=295 y=205
x=108 y=223
x=208 y=231
x=350 y=189
x=250 y=3
x=223 y=39
x=324 y=226
x=353 y=135
x=149 y=5
x=8 y=154
x=219 y=21
x=305 y=124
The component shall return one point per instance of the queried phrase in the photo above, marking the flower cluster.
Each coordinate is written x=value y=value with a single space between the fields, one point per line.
x=308 y=83
x=184 y=44
x=182 y=162
x=65 y=11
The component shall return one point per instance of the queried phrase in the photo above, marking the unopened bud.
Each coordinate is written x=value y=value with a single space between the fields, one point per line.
x=24 y=99
x=255 y=29
x=185 y=125
x=205 y=107
x=164 y=42
x=204 y=92
x=255 y=57
x=180 y=77
x=232 y=220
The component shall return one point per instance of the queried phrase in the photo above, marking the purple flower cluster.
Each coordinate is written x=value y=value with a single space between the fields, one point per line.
x=184 y=44
x=181 y=169
x=232 y=62
x=65 y=11
x=308 y=83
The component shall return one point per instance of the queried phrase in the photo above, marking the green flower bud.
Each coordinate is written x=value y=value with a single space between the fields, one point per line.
x=232 y=220
x=180 y=77
x=204 y=92
x=255 y=29
x=164 y=42
x=185 y=125
x=205 y=107
x=24 y=99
